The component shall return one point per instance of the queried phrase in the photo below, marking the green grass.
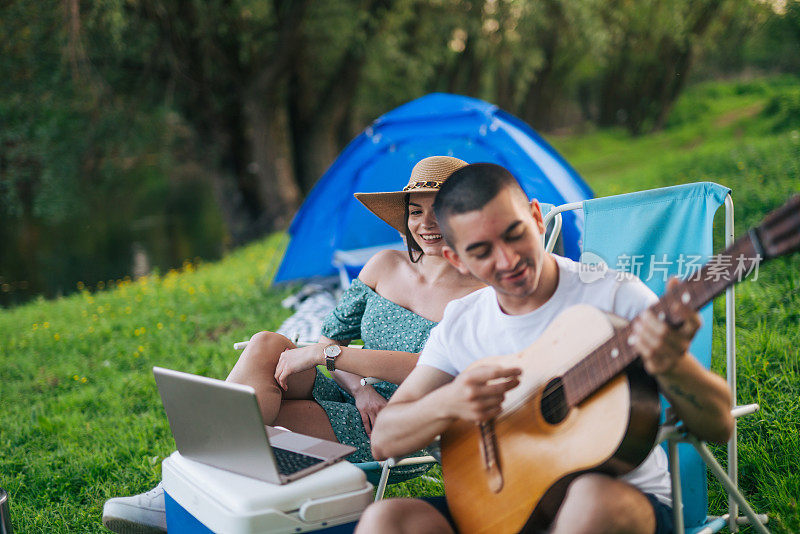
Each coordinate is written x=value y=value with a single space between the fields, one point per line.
x=80 y=418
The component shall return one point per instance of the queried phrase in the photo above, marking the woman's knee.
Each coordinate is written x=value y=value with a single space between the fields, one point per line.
x=260 y=357
x=265 y=338
x=266 y=346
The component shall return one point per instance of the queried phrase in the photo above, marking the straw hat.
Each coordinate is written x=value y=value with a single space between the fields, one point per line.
x=427 y=176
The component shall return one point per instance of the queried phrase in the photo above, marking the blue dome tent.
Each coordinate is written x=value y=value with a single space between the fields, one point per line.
x=381 y=159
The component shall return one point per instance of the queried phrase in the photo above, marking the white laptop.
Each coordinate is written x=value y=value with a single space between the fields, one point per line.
x=219 y=423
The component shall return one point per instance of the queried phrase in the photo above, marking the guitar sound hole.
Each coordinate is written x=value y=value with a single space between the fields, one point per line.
x=554 y=405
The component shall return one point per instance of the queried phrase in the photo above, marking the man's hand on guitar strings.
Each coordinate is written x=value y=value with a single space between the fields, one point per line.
x=477 y=394
x=660 y=345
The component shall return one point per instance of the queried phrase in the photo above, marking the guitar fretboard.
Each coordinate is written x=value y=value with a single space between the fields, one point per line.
x=700 y=288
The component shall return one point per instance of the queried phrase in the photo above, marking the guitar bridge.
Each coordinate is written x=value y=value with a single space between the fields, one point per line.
x=491 y=460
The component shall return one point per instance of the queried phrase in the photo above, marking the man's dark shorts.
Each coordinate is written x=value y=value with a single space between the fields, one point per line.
x=663 y=513
x=664 y=523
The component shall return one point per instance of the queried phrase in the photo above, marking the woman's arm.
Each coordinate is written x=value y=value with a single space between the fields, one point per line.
x=368 y=401
x=390 y=365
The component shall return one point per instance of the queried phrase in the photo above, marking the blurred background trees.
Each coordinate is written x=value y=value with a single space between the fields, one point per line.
x=148 y=132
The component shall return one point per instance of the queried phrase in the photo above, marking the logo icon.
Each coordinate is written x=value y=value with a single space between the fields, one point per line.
x=591 y=268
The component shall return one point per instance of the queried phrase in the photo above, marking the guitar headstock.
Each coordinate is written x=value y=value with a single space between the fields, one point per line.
x=779 y=232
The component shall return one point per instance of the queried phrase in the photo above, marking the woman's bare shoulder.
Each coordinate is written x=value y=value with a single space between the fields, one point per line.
x=382 y=265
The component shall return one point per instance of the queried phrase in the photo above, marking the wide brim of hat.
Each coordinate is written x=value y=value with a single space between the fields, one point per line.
x=390 y=206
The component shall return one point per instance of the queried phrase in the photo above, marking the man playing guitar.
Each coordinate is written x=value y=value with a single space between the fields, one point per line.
x=494 y=233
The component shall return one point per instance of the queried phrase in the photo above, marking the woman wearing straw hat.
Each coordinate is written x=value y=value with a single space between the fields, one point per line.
x=392 y=306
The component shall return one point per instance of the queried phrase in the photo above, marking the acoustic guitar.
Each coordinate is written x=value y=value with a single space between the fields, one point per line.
x=584 y=402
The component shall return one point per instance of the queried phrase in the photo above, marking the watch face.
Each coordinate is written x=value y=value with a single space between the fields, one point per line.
x=332 y=351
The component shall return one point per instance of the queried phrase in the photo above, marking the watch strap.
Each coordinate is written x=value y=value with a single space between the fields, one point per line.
x=330 y=360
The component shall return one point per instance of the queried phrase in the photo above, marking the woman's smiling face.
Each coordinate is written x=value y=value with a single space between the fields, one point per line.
x=422 y=223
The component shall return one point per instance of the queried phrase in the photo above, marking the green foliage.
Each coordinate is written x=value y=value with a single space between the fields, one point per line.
x=751 y=36
x=87 y=172
x=129 y=124
x=784 y=109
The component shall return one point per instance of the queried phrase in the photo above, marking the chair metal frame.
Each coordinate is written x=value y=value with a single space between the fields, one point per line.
x=674 y=434
x=5 y=514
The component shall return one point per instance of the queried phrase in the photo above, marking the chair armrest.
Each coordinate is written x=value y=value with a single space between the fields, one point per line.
x=398 y=461
x=675 y=429
x=745 y=409
x=369 y=380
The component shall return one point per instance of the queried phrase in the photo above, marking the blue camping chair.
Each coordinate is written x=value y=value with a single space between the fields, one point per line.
x=658 y=234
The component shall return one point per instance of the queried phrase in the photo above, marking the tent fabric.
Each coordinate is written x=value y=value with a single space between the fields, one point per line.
x=381 y=159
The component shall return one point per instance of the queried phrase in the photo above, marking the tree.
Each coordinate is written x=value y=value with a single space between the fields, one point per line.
x=650 y=56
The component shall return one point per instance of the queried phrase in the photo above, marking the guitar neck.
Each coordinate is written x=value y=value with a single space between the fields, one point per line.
x=610 y=359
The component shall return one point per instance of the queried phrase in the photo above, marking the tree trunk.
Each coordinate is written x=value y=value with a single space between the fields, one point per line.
x=271 y=161
x=538 y=106
x=321 y=111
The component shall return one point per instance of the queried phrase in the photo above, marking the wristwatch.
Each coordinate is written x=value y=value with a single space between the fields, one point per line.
x=331 y=352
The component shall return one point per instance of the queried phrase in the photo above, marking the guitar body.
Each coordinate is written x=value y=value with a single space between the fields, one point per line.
x=612 y=431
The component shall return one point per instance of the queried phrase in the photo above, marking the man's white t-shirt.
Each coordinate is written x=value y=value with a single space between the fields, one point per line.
x=474 y=327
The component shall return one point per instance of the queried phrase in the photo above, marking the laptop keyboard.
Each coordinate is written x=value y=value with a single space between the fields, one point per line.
x=291 y=462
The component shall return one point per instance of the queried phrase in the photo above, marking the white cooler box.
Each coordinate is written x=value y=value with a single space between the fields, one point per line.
x=201 y=498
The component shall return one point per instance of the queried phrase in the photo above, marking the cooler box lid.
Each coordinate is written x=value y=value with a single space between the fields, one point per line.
x=186 y=479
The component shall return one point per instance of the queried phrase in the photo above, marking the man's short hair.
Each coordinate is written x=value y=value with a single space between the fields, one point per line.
x=470 y=188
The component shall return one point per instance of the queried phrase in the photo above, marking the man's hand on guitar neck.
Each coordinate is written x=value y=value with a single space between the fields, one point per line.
x=701 y=398
x=660 y=345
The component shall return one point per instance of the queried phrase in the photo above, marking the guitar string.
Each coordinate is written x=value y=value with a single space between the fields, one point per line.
x=523 y=399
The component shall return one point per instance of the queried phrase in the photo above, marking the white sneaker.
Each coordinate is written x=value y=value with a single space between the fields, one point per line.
x=139 y=514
